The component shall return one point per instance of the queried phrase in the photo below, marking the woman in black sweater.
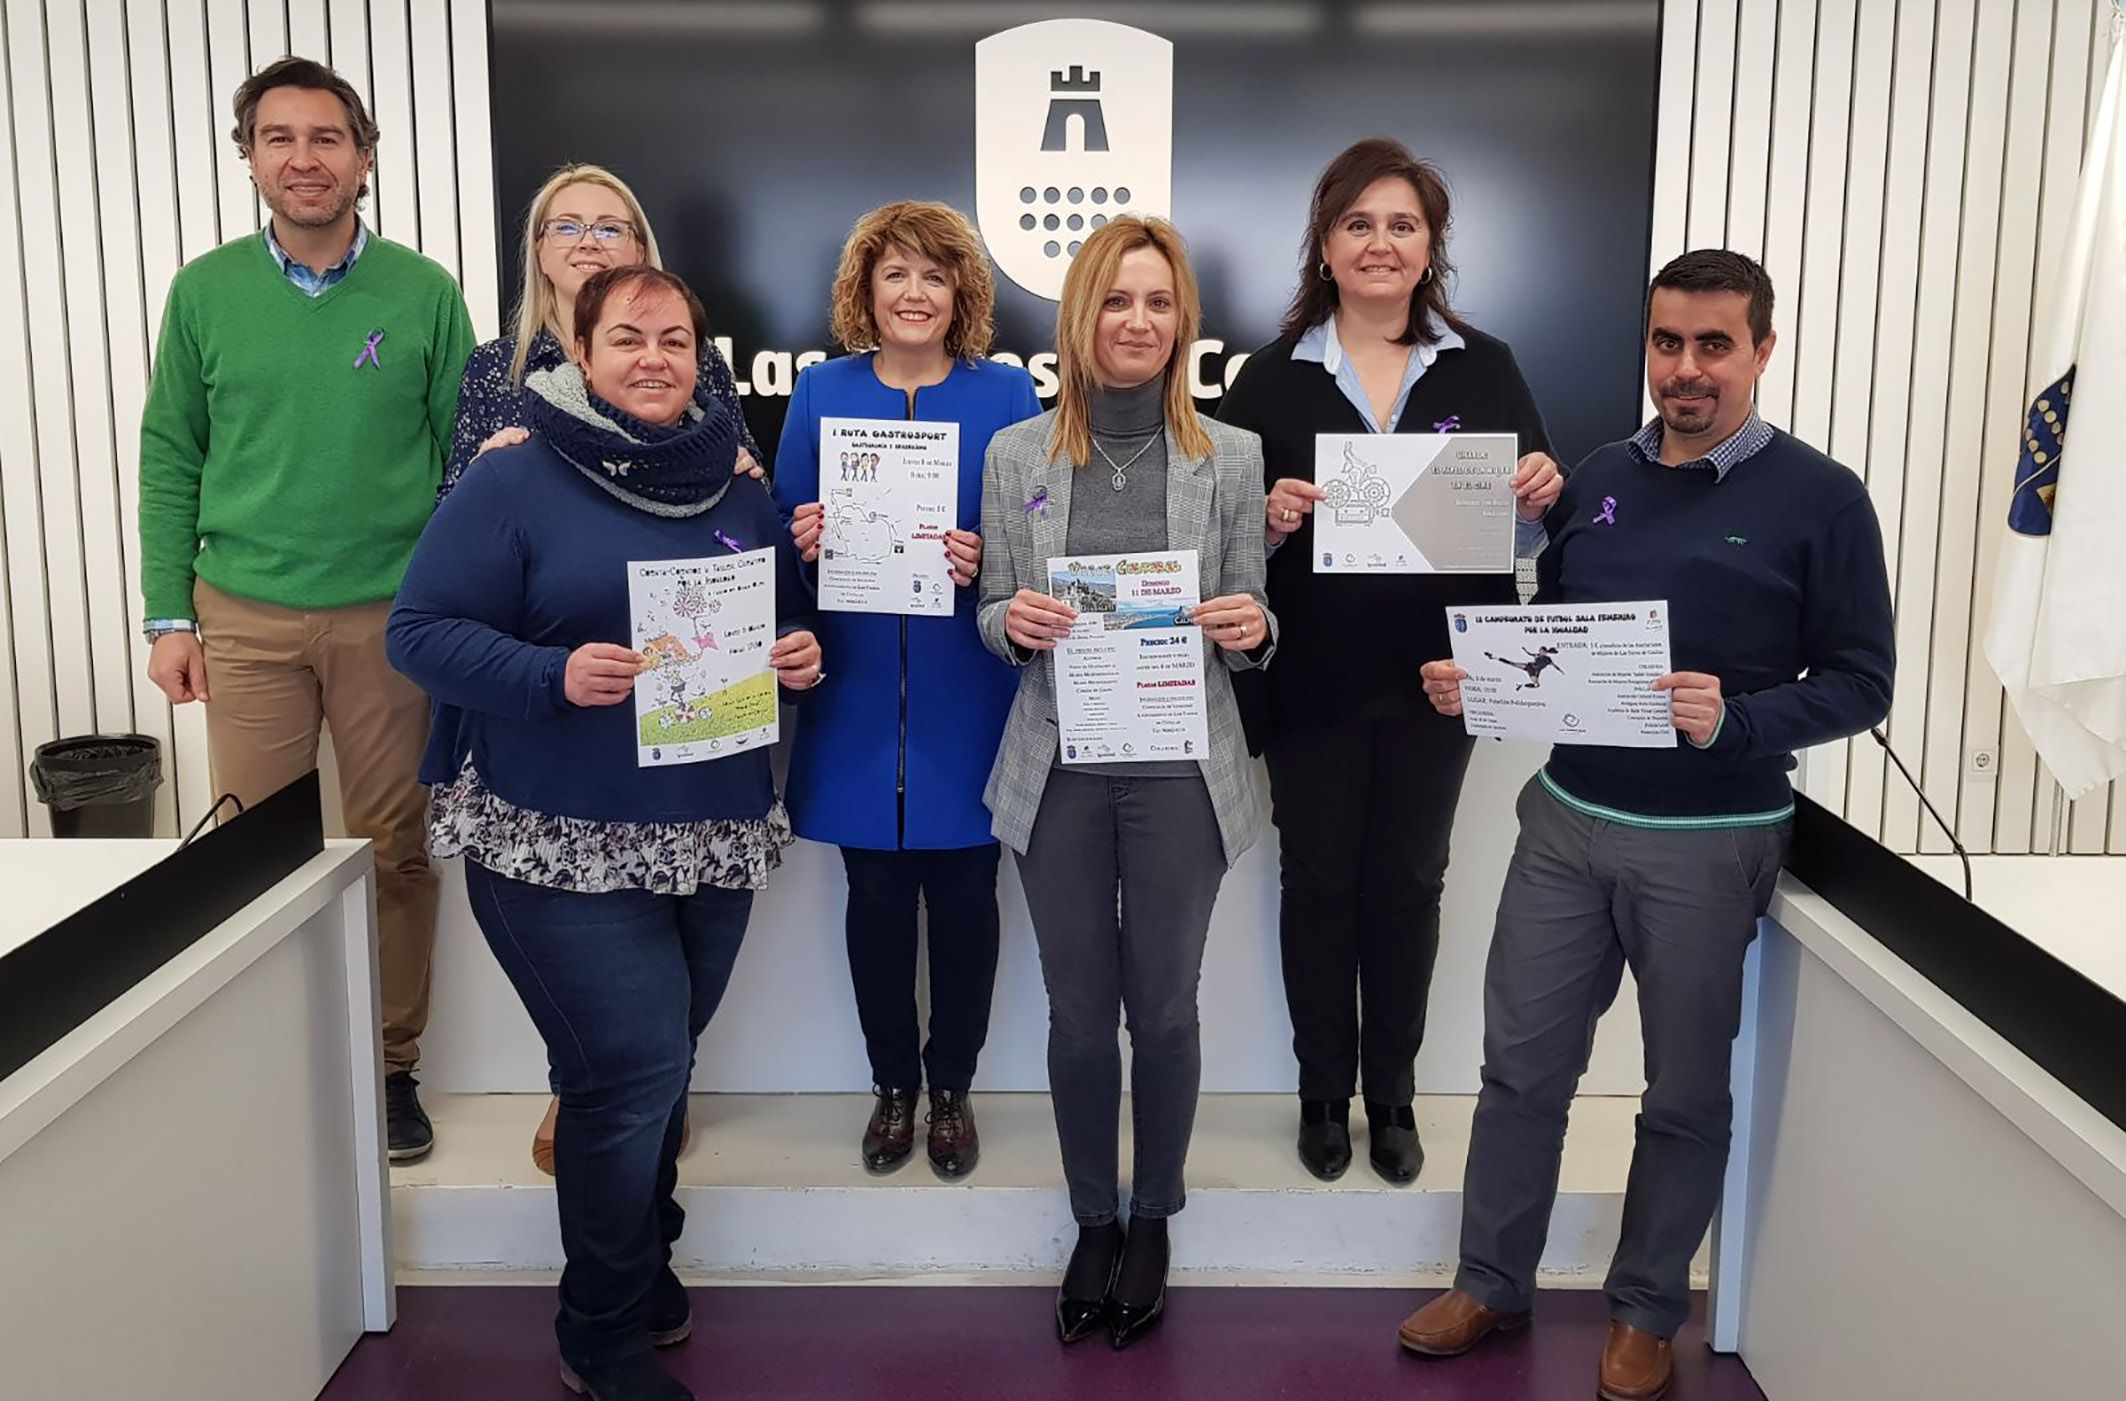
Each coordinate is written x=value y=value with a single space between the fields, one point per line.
x=1363 y=774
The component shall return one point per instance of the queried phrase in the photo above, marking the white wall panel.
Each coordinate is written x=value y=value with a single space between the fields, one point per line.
x=1904 y=169
x=116 y=167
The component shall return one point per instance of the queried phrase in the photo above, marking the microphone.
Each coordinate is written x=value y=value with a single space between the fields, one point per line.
x=1939 y=821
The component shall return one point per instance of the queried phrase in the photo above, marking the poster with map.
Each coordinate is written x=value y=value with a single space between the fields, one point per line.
x=703 y=627
x=889 y=491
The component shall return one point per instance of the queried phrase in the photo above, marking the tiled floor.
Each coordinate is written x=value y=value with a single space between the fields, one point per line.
x=902 y=1343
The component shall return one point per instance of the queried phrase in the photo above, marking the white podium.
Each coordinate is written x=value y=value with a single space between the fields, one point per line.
x=193 y=1197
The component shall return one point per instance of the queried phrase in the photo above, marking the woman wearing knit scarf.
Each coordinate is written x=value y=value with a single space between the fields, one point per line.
x=614 y=896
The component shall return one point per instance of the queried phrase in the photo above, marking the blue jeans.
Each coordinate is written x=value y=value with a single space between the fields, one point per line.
x=620 y=985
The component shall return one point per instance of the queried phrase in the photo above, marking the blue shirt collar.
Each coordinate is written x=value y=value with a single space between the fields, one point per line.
x=1744 y=443
x=1319 y=344
x=313 y=283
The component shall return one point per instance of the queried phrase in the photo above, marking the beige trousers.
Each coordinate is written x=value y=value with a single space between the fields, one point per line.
x=274 y=675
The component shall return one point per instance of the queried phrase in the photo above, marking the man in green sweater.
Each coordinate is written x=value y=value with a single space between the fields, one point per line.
x=305 y=384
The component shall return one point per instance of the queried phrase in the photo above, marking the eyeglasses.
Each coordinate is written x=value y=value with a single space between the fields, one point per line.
x=572 y=230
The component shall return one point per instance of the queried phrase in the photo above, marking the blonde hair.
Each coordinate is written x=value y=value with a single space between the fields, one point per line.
x=929 y=230
x=1085 y=285
x=537 y=307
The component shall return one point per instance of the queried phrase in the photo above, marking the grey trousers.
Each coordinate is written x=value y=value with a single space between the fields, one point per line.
x=1583 y=898
x=1120 y=877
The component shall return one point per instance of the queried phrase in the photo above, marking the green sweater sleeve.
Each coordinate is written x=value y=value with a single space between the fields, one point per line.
x=454 y=345
x=173 y=452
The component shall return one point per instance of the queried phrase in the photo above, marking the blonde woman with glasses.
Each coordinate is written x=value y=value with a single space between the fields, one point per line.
x=583 y=220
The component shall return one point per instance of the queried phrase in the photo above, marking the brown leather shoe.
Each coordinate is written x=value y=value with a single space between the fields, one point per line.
x=1636 y=1365
x=890 y=1136
x=955 y=1146
x=1452 y=1324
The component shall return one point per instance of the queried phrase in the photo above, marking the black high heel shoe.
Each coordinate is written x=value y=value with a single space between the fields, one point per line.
x=1127 y=1322
x=1077 y=1319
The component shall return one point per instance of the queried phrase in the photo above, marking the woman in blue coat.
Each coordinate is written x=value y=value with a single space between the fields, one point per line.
x=890 y=759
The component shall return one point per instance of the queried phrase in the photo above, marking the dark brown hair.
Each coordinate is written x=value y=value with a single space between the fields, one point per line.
x=294 y=72
x=1360 y=164
x=1720 y=270
x=602 y=287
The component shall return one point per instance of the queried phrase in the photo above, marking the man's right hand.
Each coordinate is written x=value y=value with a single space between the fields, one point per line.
x=600 y=673
x=177 y=664
x=1443 y=686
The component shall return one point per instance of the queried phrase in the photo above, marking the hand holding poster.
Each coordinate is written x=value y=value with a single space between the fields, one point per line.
x=889 y=492
x=1578 y=673
x=703 y=627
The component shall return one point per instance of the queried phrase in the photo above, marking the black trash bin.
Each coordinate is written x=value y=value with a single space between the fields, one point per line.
x=99 y=785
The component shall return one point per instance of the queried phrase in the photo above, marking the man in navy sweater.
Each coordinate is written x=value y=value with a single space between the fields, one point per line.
x=1771 y=559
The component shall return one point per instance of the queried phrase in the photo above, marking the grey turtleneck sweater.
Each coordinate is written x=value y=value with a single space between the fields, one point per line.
x=1105 y=520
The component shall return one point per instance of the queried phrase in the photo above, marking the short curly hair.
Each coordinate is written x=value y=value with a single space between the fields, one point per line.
x=930 y=230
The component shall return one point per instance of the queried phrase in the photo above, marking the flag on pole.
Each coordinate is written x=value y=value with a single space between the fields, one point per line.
x=2057 y=638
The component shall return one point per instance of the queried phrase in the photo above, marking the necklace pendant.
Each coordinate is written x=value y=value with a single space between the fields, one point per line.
x=1118 y=482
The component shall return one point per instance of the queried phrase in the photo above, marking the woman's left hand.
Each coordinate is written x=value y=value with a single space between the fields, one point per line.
x=1233 y=621
x=963 y=556
x=1536 y=484
x=746 y=466
x=795 y=658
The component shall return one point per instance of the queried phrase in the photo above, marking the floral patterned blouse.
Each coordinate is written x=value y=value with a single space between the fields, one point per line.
x=592 y=858
x=488 y=402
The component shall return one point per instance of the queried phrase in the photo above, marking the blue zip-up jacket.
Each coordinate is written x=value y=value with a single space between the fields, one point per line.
x=894 y=749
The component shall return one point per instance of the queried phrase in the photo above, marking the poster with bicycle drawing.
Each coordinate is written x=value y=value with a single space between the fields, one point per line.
x=1414 y=503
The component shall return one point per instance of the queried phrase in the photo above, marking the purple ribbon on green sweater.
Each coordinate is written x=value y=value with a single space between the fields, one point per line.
x=369 y=351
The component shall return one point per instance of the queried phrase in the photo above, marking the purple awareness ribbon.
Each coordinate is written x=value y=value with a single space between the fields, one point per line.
x=1452 y=423
x=1608 y=514
x=1037 y=504
x=728 y=543
x=369 y=351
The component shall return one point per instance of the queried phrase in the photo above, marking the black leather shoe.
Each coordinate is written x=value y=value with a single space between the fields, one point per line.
x=955 y=1146
x=1325 y=1137
x=1077 y=1319
x=1392 y=1145
x=637 y=1378
x=671 y=1311
x=1127 y=1322
x=407 y=1133
x=890 y=1136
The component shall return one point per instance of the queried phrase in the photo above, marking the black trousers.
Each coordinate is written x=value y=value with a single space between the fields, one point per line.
x=959 y=886
x=1363 y=815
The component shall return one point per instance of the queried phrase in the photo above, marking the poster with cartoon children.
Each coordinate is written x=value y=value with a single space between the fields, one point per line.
x=703 y=627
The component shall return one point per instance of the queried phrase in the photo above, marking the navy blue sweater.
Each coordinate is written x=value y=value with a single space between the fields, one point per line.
x=525 y=562
x=1774 y=572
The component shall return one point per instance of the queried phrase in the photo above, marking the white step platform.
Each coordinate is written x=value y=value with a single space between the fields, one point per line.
x=774 y=1192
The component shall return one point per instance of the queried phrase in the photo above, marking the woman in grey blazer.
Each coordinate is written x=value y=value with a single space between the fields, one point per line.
x=1121 y=862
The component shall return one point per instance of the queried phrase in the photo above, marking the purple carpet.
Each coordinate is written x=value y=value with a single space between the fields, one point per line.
x=921 y=1344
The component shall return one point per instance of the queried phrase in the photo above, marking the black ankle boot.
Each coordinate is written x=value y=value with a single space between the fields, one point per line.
x=1325 y=1137
x=1391 y=1143
x=1139 y=1300
x=1095 y=1262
